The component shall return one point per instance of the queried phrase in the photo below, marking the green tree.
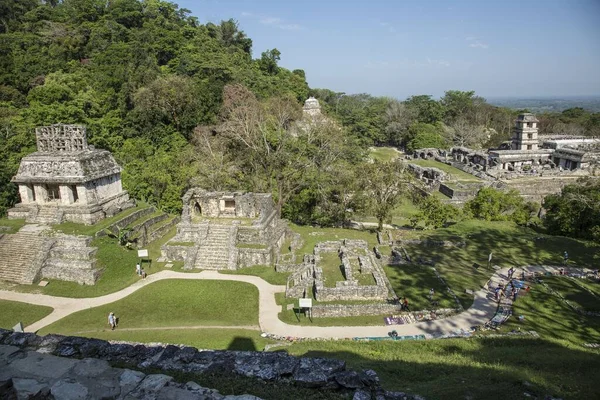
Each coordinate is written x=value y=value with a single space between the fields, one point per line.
x=494 y=205
x=433 y=213
x=428 y=110
x=575 y=211
x=268 y=61
x=423 y=135
x=457 y=104
x=385 y=185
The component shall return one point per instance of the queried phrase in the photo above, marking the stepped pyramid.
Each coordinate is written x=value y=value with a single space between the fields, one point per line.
x=22 y=255
x=214 y=252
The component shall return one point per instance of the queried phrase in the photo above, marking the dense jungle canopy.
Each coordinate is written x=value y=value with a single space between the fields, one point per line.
x=180 y=103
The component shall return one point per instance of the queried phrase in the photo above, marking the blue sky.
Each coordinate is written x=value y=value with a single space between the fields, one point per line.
x=400 y=48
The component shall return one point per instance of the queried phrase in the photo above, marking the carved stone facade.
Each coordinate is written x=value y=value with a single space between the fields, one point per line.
x=226 y=230
x=67 y=180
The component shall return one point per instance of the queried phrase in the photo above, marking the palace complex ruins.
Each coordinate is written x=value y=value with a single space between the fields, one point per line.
x=534 y=165
x=67 y=180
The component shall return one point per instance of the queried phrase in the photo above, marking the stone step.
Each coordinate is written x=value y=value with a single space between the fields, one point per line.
x=69 y=264
x=73 y=253
x=18 y=253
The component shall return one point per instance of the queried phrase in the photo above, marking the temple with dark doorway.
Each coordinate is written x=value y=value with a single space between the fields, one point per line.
x=226 y=230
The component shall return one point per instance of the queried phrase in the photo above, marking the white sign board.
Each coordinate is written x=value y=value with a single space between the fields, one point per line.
x=142 y=253
x=305 y=303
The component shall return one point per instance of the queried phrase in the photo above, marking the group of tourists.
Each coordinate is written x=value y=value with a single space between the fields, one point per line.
x=511 y=289
x=140 y=271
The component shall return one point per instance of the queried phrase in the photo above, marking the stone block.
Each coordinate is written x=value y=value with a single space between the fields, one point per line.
x=91 y=367
x=43 y=365
x=68 y=389
x=129 y=380
x=26 y=387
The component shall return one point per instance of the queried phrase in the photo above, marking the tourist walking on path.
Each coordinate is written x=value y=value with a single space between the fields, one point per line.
x=511 y=271
x=112 y=321
x=138 y=269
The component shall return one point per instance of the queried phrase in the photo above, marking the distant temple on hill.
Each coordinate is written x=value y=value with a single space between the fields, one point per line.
x=67 y=180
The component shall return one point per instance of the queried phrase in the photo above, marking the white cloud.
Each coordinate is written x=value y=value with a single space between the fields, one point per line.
x=390 y=28
x=476 y=43
x=441 y=63
x=272 y=21
x=479 y=44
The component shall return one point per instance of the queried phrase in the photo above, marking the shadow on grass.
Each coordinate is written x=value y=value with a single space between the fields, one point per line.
x=472 y=368
x=242 y=344
x=509 y=244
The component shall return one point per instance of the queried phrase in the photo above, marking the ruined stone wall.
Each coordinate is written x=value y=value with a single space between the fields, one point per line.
x=349 y=292
x=274 y=367
x=248 y=257
x=160 y=232
x=72 y=259
x=176 y=253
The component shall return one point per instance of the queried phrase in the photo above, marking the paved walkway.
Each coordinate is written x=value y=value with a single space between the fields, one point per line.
x=483 y=308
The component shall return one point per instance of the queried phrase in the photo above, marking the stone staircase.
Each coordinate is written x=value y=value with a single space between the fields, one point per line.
x=22 y=255
x=47 y=214
x=72 y=259
x=213 y=252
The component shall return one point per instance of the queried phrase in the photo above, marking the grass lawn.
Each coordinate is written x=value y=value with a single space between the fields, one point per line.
x=456 y=173
x=332 y=269
x=383 y=154
x=313 y=235
x=552 y=319
x=577 y=296
x=266 y=272
x=510 y=245
x=170 y=303
x=483 y=367
x=205 y=338
x=73 y=228
x=13 y=224
x=400 y=215
x=12 y=312
x=478 y=368
x=414 y=282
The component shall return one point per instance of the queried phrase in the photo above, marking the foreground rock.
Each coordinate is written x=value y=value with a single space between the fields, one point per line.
x=68 y=367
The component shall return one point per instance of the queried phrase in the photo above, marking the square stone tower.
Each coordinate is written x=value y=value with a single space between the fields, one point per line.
x=525 y=132
x=67 y=180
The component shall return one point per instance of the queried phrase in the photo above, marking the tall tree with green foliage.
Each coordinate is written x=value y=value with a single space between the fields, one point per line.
x=575 y=211
x=494 y=205
x=385 y=185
